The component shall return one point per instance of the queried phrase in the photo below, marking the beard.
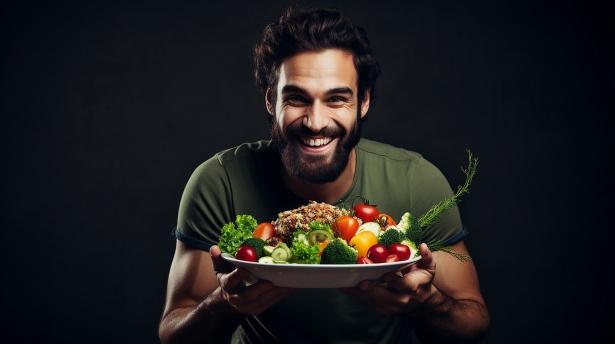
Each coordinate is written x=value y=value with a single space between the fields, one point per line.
x=314 y=168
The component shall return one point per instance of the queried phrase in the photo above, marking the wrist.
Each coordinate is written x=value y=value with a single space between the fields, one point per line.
x=215 y=304
x=437 y=303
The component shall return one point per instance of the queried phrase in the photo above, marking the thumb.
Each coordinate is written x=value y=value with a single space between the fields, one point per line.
x=427 y=261
x=220 y=265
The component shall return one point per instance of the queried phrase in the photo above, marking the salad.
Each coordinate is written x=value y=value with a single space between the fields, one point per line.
x=320 y=233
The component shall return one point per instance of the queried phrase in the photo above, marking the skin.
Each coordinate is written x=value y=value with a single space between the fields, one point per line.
x=206 y=298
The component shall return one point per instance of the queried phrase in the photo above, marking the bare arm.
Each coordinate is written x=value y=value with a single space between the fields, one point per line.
x=445 y=306
x=456 y=311
x=204 y=304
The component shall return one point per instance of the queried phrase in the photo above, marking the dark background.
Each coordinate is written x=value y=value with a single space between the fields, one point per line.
x=107 y=108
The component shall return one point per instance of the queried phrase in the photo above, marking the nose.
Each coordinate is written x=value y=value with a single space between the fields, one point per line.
x=315 y=118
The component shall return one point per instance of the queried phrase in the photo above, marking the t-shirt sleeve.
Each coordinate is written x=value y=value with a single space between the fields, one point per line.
x=428 y=187
x=206 y=205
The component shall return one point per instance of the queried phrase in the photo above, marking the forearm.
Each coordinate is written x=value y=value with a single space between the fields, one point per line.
x=212 y=320
x=450 y=320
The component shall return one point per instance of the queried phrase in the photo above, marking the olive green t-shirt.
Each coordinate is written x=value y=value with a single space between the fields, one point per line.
x=247 y=180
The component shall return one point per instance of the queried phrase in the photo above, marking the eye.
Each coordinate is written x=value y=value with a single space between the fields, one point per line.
x=337 y=99
x=295 y=100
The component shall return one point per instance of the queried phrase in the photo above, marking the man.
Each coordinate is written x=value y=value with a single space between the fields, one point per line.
x=318 y=74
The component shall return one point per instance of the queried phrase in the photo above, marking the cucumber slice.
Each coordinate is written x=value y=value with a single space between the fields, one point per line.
x=284 y=246
x=280 y=254
x=319 y=235
x=280 y=262
x=268 y=249
x=266 y=260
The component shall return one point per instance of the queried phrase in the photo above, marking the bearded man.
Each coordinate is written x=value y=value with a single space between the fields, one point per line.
x=318 y=75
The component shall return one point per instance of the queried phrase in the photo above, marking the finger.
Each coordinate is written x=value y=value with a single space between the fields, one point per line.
x=258 y=305
x=383 y=295
x=255 y=291
x=427 y=262
x=412 y=282
x=220 y=265
x=233 y=282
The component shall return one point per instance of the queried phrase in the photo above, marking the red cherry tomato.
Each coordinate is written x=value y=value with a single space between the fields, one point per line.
x=392 y=258
x=366 y=212
x=264 y=231
x=400 y=250
x=364 y=260
x=378 y=253
x=246 y=253
x=346 y=227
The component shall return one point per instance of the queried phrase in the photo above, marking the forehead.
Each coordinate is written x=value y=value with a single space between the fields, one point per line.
x=318 y=71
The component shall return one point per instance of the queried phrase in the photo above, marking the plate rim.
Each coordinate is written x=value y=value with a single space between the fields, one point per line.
x=228 y=257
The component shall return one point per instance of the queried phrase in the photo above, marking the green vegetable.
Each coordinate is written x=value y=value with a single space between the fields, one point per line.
x=391 y=236
x=257 y=244
x=266 y=260
x=246 y=223
x=304 y=254
x=234 y=234
x=431 y=216
x=318 y=235
x=413 y=247
x=415 y=229
x=338 y=252
x=280 y=254
x=316 y=226
x=414 y=232
x=298 y=236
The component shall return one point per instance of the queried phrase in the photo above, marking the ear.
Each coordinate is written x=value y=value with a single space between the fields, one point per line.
x=365 y=104
x=268 y=101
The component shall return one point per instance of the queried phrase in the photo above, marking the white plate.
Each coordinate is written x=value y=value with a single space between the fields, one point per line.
x=318 y=275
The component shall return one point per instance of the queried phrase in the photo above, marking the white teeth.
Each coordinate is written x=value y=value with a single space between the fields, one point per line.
x=317 y=142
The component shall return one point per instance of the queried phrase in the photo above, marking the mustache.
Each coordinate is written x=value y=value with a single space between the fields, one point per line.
x=298 y=129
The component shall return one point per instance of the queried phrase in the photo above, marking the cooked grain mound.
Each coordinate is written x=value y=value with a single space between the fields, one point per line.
x=301 y=217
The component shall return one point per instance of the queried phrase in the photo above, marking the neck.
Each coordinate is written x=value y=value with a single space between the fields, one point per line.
x=324 y=192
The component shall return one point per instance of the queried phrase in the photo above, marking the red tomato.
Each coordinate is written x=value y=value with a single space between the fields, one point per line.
x=366 y=212
x=264 y=231
x=378 y=253
x=346 y=227
x=400 y=250
x=364 y=260
x=246 y=253
x=392 y=258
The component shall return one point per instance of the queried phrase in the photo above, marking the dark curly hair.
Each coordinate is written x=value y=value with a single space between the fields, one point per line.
x=310 y=30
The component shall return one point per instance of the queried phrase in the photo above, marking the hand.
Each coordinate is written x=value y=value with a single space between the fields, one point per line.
x=403 y=291
x=253 y=299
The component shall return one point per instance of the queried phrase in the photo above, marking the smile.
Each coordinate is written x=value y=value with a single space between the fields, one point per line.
x=315 y=142
x=316 y=145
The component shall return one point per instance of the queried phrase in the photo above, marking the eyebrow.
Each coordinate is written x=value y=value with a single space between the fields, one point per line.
x=296 y=89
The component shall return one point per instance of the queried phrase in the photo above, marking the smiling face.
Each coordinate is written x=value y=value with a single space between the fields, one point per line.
x=316 y=113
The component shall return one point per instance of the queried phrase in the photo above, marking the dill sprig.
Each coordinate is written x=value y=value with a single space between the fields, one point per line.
x=431 y=216
x=438 y=246
x=417 y=228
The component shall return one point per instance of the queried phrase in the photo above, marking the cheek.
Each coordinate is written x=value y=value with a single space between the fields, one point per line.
x=287 y=116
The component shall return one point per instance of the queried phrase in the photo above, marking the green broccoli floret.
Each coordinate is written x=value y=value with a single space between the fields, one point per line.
x=319 y=226
x=338 y=252
x=302 y=253
x=391 y=236
x=404 y=223
x=257 y=244
x=298 y=236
